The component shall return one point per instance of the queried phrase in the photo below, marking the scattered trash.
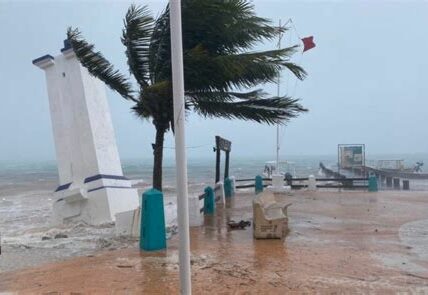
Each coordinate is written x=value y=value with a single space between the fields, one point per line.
x=238 y=225
x=103 y=243
x=125 y=266
x=171 y=230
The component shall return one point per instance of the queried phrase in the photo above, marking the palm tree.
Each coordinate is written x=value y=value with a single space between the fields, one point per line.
x=220 y=67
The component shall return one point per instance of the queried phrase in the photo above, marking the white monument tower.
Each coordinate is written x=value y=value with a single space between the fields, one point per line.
x=92 y=186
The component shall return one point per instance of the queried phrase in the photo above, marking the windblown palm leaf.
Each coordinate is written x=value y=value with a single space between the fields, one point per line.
x=271 y=111
x=223 y=72
x=98 y=66
x=136 y=38
x=223 y=96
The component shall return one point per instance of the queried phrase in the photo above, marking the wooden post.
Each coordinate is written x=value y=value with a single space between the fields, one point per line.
x=226 y=166
x=221 y=144
x=406 y=184
x=396 y=183
x=388 y=181
x=217 y=165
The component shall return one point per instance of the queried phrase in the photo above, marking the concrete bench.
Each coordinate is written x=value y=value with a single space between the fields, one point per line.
x=270 y=220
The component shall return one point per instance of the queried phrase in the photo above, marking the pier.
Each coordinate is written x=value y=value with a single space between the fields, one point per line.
x=389 y=178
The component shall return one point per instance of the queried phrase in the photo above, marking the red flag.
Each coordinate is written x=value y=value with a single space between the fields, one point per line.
x=308 y=43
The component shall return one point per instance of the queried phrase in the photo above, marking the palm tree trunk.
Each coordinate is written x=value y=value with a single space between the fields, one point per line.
x=158 y=157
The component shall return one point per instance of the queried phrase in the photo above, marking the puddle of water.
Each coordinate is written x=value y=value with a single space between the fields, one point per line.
x=415 y=235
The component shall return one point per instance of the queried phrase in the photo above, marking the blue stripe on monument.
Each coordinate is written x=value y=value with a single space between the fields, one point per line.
x=47 y=56
x=63 y=187
x=67 y=45
x=104 y=176
x=101 y=187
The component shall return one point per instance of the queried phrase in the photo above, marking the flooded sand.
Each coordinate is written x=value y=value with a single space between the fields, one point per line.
x=355 y=242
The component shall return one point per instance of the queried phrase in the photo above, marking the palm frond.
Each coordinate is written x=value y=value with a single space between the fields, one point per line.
x=275 y=110
x=271 y=59
x=222 y=72
x=160 y=49
x=136 y=37
x=225 y=96
x=98 y=65
x=227 y=27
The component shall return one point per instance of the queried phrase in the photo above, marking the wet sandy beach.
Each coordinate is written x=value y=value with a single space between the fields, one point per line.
x=339 y=242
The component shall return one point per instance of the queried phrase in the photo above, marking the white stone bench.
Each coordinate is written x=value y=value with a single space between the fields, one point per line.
x=270 y=220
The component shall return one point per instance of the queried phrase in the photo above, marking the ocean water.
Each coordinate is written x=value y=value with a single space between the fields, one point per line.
x=201 y=171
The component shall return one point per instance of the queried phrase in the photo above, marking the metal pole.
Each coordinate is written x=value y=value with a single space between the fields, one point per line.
x=180 y=149
x=278 y=93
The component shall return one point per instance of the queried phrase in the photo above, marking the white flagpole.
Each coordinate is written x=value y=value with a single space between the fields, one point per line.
x=278 y=94
x=180 y=149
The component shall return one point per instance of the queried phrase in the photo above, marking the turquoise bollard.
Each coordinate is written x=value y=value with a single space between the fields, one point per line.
x=372 y=183
x=228 y=189
x=258 y=184
x=152 y=233
x=209 y=201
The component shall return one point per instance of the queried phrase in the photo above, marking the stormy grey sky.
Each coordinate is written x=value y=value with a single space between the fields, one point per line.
x=367 y=79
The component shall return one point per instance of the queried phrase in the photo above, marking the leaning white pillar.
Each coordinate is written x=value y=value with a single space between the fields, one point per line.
x=91 y=187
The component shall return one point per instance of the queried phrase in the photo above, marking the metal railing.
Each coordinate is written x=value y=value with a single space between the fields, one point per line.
x=345 y=183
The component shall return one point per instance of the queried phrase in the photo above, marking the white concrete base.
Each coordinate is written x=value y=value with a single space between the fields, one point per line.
x=128 y=223
x=100 y=205
x=233 y=180
x=277 y=180
x=74 y=195
x=195 y=215
x=312 y=183
x=219 y=193
x=278 y=185
x=282 y=189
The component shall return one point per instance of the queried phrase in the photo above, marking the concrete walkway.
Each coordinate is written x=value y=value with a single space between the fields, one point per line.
x=352 y=242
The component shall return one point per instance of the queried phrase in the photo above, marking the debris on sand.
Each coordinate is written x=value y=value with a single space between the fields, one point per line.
x=103 y=243
x=171 y=230
x=238 y=225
